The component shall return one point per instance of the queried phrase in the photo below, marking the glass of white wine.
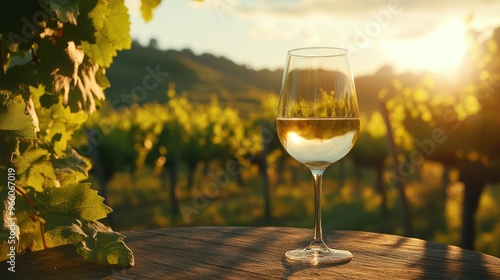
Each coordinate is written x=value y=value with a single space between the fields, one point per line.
x=318 y=124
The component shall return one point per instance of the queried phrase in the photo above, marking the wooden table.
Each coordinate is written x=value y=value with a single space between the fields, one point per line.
x=257 y=253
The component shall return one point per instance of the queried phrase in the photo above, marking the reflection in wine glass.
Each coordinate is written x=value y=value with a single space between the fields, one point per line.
x=310 y=150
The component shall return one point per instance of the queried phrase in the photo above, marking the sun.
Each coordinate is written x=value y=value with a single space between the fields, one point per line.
x=440 y=51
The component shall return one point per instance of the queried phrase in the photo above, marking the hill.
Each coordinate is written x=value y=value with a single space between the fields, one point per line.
x=198 y=75
x=202 y=75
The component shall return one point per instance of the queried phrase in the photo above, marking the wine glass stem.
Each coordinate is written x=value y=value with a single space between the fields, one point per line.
x=318 y=233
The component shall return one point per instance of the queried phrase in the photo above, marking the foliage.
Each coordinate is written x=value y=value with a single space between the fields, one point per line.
x=147 y=8
x=454 y=122
x=54 y=57
x=198 y=132
x=463 y=108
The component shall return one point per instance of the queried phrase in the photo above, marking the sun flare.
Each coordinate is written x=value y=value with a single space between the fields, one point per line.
x=439 y=51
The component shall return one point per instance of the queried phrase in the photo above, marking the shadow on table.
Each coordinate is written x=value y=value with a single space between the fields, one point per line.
x=219 y=263
x=58 y=261
x=152 y=261
x=441 y=261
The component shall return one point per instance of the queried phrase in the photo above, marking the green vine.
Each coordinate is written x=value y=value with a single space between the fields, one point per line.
x=54 y=55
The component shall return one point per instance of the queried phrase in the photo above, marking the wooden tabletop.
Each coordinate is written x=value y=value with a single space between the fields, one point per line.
x=257 y=253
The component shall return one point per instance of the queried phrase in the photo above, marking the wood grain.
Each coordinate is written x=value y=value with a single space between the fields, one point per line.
x=257 y=253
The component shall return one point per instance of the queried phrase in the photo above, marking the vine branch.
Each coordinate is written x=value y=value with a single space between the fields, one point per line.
x=2 y=71
x=35 y=218
x=23 y=194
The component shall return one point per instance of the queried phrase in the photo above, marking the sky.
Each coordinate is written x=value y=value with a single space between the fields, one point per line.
x=410 y=35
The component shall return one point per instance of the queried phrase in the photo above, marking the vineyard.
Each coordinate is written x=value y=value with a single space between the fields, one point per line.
x=77 y=167
x=184 y=164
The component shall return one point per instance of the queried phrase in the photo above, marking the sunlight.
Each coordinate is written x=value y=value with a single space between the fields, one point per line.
x=293 y=136
x=439 y=51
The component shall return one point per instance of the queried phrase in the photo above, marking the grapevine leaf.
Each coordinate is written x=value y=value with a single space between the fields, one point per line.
x=84 y=30
x=34 y=168
x=112 y=25
x=81 y=96
x=66 y=11
x=65 y=72
x=48 y=99
x=53 y=70
x=101 y=78
x=62 y=206
x=147 y=8
x=76 y=56
x=57 y=123
x=104 y=246
x=9 y=145
x=79 y=85
x=71 y=234
x=29 y=231
x=72 y=168
x=13 y=118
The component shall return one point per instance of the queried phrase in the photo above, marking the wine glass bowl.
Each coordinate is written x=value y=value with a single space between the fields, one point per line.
x=317 y=124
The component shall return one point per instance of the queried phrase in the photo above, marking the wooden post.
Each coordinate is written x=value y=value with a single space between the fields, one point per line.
x=263 y=166
x=381 y=190
x=474 y=179
x=394 y=152
x=173 y=173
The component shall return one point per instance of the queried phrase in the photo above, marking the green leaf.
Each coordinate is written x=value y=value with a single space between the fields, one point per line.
x=73 y=77
x=84 y=30
x=30 y=233
x=57 y=123
x=76 y=56
x=104 y=246
x=47 y=100
x=50 y=58
x=14 y=121
x=62 y=206
x=112 y=25
x=34 y=168
x=84 y=95
x=94 y=241
x=66 y=11
x=147 y=8
x=72 y=168
x=65 y=72
x=101 y=78
x=8 y=148
x=71 y=234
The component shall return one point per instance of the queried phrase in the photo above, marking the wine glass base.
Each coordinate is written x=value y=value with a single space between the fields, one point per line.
x=318 y=256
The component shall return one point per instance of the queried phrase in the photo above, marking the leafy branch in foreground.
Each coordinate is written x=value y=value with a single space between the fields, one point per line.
x=53 y=57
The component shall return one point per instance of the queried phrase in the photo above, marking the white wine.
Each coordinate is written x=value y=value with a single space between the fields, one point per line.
x=317 y=142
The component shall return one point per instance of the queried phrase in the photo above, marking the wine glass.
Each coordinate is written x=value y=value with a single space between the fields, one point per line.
x=317 y=124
